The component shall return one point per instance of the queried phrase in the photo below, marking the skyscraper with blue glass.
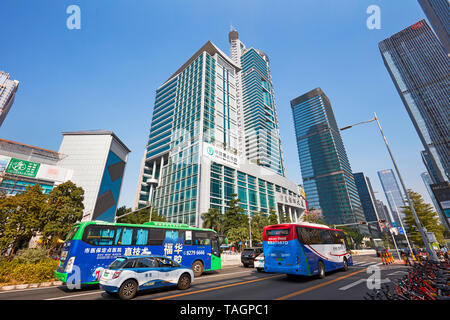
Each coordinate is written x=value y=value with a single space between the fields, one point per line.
x=438 y=13
x=420 y=70
x=202 y=148
x=327 y=176
x=393 y=195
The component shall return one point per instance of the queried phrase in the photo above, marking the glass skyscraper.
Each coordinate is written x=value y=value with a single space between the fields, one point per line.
x=428 y=182
x=438 y=13
x=8 y=90
x=200 y=152
x=393 y=195
x=367 y=199
x=420 y=70
x=327 y=176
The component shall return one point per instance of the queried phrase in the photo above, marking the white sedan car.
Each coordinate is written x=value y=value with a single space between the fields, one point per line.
x=259 y=262
x=128 y=275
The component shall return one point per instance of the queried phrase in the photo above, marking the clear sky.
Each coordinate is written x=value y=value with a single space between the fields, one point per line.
x=104 y=76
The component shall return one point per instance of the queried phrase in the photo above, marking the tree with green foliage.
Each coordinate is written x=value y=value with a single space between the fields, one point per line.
x=273 y=218
x=427 y=217
x=138 y=217
x=63 y=207
x=213 y=219
x=234 y=216
x=21 y=218
x=258 y=222
x=354 y=234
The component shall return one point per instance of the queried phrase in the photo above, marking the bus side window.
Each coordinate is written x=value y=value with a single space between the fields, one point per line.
x=127 y=236
x=141 y=236
x=314 y=236
x=188 y=237
x=171 y=235
x=201 y=238
x=117 y=237
x=326 y=236
x=156 y=237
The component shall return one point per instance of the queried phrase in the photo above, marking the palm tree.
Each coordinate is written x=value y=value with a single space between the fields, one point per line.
x=213 y=219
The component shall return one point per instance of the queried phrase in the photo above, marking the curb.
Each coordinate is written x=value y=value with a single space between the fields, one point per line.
x=30 y=285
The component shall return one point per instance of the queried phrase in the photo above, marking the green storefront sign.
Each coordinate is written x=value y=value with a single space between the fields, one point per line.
x=22 y=167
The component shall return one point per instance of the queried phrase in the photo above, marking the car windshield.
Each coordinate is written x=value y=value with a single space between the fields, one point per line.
x=117 y=264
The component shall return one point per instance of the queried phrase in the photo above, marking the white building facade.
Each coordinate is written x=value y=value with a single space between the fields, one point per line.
x=196 y=156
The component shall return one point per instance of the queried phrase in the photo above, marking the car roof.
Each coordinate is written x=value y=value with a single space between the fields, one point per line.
x=144 y=256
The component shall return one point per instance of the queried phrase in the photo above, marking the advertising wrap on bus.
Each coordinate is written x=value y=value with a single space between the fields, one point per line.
x=304 y=249
x=94 y=246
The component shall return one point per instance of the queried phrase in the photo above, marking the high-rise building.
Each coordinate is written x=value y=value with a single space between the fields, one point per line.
x=367 y=199
x=327 y=176
x=393 y=195
x=428 y=182
x=429 y=164
x=260 y=123
x=98 y=160
x=200 y=149
x=438 y=13
x=383 y=211
x=8 y=89
x=420 y=70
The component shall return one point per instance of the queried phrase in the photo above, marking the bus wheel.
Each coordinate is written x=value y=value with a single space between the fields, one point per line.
x=321 y=270
x=128 y=289
x=197 y=267
x=184 y=282
x=345 y=265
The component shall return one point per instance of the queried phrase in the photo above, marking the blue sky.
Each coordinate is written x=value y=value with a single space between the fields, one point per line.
x=104 y=76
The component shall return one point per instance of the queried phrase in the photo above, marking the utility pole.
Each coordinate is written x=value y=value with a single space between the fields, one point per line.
x=430 y=251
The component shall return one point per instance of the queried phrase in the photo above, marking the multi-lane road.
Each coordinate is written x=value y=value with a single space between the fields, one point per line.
x=239 y=283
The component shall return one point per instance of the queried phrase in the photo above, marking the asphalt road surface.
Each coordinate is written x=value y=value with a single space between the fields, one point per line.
x=239 y=283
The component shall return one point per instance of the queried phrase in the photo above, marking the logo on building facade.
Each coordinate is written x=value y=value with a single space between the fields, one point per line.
x=23 y=167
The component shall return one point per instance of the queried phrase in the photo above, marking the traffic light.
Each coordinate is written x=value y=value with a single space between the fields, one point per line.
x=362 y=222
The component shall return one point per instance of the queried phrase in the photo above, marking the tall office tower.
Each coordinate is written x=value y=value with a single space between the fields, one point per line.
x=429 y=164
x=8 y=89
x=420 y=69
x=98 y=159
x=428 y=182
x=383 y=211
x=393 y=195
x=194 y=160
x=438 y=13
x=327 y=176
x=367 y=199
x=259 y=117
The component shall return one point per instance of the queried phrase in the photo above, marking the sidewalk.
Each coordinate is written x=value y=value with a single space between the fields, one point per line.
x=30 y=285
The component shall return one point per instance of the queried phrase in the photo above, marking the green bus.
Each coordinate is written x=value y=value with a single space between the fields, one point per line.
x=91 y=246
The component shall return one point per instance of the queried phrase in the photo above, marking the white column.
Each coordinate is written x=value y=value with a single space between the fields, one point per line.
x=160 y=170
x=290 y=214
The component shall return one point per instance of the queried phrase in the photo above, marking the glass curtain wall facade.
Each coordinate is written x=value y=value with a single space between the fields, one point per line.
x=367 y=199
x=194 y=158
x=393 y=195
x=438 y=13
x=327 y=176
x=262 y=135
x=420 y=70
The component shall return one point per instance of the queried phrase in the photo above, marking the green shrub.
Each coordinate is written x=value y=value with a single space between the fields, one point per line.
x=17 y=272
x=31 y=255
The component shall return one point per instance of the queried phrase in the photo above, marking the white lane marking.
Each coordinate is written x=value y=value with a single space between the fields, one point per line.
x=75 y=295
x=222 y=275
x=396 y=272
x=361 y=281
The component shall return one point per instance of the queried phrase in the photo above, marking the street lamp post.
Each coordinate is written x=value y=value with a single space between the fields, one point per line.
x=430 y=251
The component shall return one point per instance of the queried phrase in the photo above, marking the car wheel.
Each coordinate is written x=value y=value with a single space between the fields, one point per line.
x=128 y=290
x=245 y=265
x=184 y=282
x=259 y=269
x=321 y=270
x=345 y=265
x=197 y=267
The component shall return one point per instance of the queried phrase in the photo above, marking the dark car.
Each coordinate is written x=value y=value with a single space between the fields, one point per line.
x=380 y=250
x=248 y=256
